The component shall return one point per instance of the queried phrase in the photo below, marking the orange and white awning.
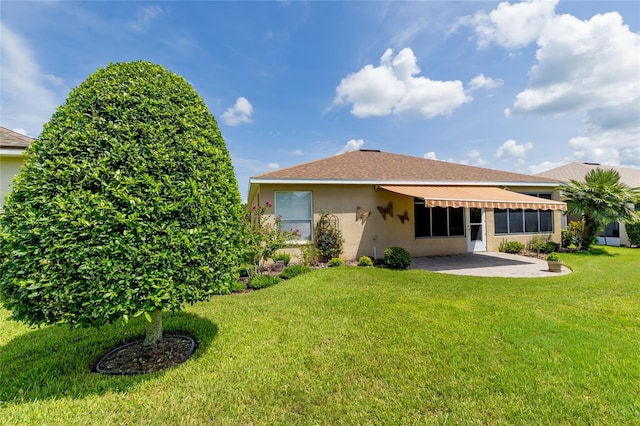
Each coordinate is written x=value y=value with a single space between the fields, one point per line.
x=474 y=196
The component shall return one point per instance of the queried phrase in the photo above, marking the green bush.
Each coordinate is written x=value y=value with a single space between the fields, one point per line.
x=282 y=257
x=294 y=270
x=328 y=238
x=127 y=205
x=237 y=287
x=365 y=261
x=567 y=238
x=633 y=231
x=336 y=261
x=397 y=258
x=513 y=247
x=262 y=281
x=309 y=254
x=550 y=246
x=537 y=244
x=553 y=257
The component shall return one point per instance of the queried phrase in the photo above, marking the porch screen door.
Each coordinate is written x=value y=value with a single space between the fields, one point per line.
x=476 y=230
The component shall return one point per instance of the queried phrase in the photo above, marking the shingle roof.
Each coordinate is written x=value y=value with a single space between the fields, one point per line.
x=577 y=171
x=11 y=139
x=368 y=165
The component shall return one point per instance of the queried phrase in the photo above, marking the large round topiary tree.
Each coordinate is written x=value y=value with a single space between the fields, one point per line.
x=127 y=205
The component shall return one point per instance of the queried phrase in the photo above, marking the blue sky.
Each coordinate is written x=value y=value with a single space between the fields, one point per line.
x=514 y=86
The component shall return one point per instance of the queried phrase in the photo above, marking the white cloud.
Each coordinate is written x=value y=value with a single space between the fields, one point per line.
x=273 y=166
x=144 y=17
x=512 y=25
x=393 y=87
x=352 y=145
x=431 y=155
x=482 y=82
x=297 y=152
x=239 y=113
x=475 y=155
x=582 y=65
x=20 y=130
x=588 y=67
x=512 y=149
x=26 y=99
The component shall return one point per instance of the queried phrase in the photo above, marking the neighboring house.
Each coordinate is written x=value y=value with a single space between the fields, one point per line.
x=12 y=146
x=614 y=234
x=429 y=207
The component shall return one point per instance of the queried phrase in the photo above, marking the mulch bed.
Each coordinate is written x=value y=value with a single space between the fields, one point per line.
x=131 y=359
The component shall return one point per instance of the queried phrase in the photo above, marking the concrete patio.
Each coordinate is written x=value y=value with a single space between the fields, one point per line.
x=488 y=264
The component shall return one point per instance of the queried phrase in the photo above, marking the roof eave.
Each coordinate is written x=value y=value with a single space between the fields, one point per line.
x=12 y=152
x=298 y=181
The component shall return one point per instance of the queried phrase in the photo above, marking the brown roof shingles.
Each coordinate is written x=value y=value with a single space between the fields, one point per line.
x=577 y=171
x=383 y=166
x=11 y=139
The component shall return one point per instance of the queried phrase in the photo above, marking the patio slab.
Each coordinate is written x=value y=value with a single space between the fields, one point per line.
x=487 y=264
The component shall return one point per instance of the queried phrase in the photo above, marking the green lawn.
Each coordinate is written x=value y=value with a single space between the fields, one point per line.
x=361 y=346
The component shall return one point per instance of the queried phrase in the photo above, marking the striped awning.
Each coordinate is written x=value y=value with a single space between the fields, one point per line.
x=474 y=196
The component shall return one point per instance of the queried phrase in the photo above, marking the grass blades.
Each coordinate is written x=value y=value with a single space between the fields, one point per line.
x=361 y=346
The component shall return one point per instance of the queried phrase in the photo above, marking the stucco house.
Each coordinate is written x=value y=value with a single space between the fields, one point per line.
x=614 y=234
x=12 y=146
x=429 y=207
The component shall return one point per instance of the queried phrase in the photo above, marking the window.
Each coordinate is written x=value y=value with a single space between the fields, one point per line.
x=545 y=195
x=294 y=207
x=437 y=221
x=612 y=230
x=518 y=221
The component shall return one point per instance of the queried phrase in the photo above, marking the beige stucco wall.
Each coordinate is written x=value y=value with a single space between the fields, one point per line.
x=376 y=234
x=9 y=167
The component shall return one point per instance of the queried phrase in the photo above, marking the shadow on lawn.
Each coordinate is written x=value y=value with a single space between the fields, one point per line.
x=58 y=361
x=595 y=251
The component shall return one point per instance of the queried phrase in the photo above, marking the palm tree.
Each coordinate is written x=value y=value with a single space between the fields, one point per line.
x=600 y=199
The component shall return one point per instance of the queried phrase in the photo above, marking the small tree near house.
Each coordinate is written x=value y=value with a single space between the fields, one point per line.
x=127 y=205
x=601 y=198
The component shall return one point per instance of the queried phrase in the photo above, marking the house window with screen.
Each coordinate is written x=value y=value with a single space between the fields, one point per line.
x=294 y=207
x=437 y=221
x=521 y=221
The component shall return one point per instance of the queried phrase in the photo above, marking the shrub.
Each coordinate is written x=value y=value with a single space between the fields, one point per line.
x=282 y=257
x=537 y=244
x=127 y=205
x=365 y=261
x=397 y=258
x=336 y=261
x=553 y=257
x=567 y=238
x=582 y=237
x=309 y=254
x=328 y=237
x=262 y=281
x=262 y=238
x=237 y=287
x=294 y=270
x=550 y=246
x=513 y=247
x=633 y=231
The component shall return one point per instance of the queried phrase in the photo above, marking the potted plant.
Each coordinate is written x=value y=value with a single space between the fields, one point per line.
x=553 y=260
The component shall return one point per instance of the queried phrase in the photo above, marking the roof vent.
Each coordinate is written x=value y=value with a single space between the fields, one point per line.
x=369 y=150
x=592 y=164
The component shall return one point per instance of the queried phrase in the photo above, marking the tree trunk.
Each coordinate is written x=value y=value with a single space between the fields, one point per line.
x=154 y=331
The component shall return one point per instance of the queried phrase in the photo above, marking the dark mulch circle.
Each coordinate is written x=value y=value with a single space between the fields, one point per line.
x=131 y=359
